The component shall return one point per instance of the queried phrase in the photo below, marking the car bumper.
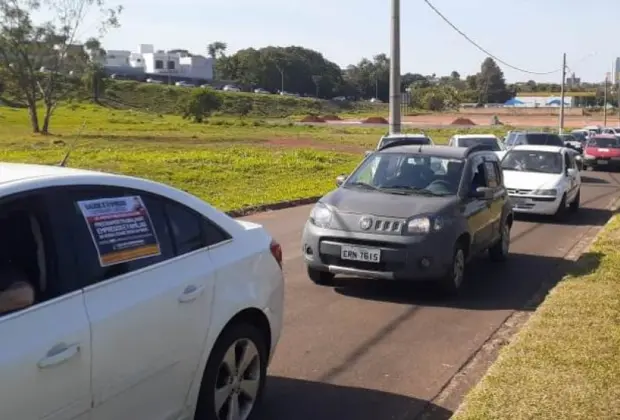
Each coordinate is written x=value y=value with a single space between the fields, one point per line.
x=532 y=204
x=401 y=257
x=602 y=162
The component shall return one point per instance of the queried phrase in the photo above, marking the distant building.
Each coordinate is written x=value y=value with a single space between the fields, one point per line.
x=617 y=70
x=573 y=81
x=148 y=62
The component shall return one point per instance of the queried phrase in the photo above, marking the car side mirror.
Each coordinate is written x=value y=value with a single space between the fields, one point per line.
x=367 y=152
x=484 y=193
x=340 y=179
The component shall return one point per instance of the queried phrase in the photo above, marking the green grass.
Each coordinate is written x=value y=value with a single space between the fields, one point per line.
x=227 y=162
x=164 y=99
x=565 y=363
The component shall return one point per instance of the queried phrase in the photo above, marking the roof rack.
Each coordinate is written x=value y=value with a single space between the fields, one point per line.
x=406 y=142
x=478 y=148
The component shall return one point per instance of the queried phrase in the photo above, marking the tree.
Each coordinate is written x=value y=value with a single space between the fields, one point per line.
x=217 y=49
x=201 y=104
x=40 y=60
x=491 y=83
x=455 y=75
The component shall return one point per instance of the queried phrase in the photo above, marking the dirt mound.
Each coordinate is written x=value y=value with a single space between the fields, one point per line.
x=312 y=119
x=331 y=117
x=463 y=121
x=375 y=120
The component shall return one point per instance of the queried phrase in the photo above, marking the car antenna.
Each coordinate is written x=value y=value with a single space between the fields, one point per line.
x=65 y=159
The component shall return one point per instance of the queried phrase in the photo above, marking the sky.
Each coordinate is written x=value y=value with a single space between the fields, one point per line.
x=529 y=34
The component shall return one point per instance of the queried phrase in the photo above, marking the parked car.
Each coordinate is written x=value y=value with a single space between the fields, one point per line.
x=572 y=142
x=602 y=150
x=137 y=300
x=261 y=91
x=468 y=140
x=542 y=179
x=231 y=88
x=395 y=218
x=611 y=130
x=404 y=139
x=516 y=138
x=185 y=84
x=581 y=135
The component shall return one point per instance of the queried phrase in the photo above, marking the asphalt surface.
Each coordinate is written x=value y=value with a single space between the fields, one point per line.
x=379 y=350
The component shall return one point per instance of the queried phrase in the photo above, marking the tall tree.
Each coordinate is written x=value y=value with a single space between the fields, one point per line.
x=491 y=83
x=217 y=51
x=41 y=58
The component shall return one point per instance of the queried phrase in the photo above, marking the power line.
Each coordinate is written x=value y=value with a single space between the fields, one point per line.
x=484 y=50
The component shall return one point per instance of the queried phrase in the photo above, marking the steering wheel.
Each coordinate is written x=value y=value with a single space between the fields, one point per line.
x=442 y=182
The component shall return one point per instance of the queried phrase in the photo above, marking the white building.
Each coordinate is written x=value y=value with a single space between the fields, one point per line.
x=151 y=62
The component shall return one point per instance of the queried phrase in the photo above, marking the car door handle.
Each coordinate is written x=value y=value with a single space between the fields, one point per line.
x=191 y=293
x=58 y=354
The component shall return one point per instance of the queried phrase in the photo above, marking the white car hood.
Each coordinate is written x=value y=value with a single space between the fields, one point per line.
x=530 y=180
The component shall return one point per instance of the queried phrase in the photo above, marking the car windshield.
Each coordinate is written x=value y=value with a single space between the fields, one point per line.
x=604 y=143
x=408 y=173
x=472 y=141
x=579 y=136
x=540 y=139
x=533 y=161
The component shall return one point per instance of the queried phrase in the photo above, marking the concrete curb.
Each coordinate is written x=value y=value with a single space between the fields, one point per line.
x=273 y=206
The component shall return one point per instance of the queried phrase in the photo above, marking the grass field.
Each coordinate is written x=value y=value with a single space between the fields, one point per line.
x=229 y=162
x=565 y=363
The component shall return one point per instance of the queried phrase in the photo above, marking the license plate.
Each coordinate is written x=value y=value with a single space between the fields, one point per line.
x=354 y=253
x=601 y=162
x=520 y=201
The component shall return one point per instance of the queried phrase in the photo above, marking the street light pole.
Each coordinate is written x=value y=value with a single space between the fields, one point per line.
x=395 y=124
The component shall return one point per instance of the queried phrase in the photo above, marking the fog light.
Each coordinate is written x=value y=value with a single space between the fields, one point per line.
x=309 y=250
x=425 y=262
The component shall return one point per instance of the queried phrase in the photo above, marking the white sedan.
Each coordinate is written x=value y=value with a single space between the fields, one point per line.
x=542 y=179
x=122 y=298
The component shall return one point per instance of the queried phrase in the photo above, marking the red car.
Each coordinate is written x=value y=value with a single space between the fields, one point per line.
x=602 y=151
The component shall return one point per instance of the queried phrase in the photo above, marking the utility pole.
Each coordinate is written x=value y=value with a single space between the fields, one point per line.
x=605 y=104
x=562 y=94
x=281 y=78
x=394 y=117
x=617 y=75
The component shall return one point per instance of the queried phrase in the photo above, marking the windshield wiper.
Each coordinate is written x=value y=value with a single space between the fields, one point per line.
x=363 y=184
x=404 y=189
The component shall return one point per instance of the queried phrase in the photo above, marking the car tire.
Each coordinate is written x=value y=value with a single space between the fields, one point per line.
x=574 y=206
x=322 y=278
x=499 y=251
x=229 y=381
x=452 y=281
x=561 y=211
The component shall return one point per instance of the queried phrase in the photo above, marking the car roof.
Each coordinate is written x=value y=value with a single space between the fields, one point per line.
x=441 y=151
x=475 y=136
x=539 y=148
x=405 y=136
x=13 y=172
x=604 y=136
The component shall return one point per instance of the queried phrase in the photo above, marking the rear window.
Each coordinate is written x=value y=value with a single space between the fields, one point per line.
x=423 y=140
x=468 y=142
x=544 y=139
x=604 y=143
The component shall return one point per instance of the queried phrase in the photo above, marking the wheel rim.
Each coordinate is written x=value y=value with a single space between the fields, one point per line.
x=238 y=381
x=506 y=239
x=459 y=267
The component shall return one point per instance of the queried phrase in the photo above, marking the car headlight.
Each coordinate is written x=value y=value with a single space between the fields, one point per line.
x=552 y=192
x=422 y=225
x=321 y=215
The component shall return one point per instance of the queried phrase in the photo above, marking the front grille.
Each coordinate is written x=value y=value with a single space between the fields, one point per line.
x=519 y=192
x=382 y=225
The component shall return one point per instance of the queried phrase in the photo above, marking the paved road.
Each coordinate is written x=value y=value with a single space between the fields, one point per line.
x=370 y=350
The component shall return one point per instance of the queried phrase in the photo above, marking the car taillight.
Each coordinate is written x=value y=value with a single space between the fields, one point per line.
x=276 y=251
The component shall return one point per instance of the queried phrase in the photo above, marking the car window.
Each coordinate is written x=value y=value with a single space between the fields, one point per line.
x=533 y=161
x=116 y=231
x=472 y=141
x=408 y=173
x=191 y=231
x=491 y=173
x=603 y=142
x=570 y=160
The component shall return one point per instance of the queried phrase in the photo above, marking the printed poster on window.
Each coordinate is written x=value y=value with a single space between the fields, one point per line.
x=121 y=229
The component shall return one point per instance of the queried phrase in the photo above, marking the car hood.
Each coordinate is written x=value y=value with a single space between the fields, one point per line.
x=530 y=180
x=350 y=200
